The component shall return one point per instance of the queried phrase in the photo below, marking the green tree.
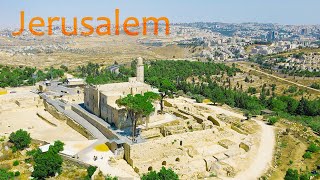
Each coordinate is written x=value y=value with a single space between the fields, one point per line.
x=307 y=155
x=15 y=163
x=166 y=88
x=91 y=170
x=272 y=120
x=305 y=176
x=21 y=139
x=302 y=107
x=278 y=105
x=137 y=106
x=252 y=90
x=109 y=177
x=163 y=174
x=49 y=163
x=291 y=175
x=5 y=175
x=313 y=148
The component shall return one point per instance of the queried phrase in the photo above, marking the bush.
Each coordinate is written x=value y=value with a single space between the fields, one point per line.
x=305 y=176
x=313 y=148
x=199 y=98
x=49 y=163
x=292 y=175
x=21 y=139
x=17 y=173
x=272 y=120
x=163 y=174
x=91 y=170
x=307 y=155
x=5 y=174
x=252 y=90
x=16 y=163
x=109 y=177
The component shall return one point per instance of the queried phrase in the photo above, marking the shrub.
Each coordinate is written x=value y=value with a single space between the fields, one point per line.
x=305 y=176
x=162 y=174
x=307 y=155
x=5 y=174
x=16 y=163
x=313 y=148
x=91 y=170
x=272 y=120
x=109 y=177
x=21 y=139
x=290 y=162
x=252 y=90
x=292 y=175
x=17 y=173
x=49 y=163
x=199 y=98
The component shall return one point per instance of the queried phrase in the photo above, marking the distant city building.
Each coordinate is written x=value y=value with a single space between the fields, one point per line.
x=304 y=31
x=272 y=35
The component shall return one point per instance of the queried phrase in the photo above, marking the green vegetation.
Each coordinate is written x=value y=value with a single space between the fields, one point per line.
x=15 y=163
x=199 y=98
x=292 y=175
x=17 y=173
x=313 y=148
x=166 y=89
x=305 y=176
x=315 y=86
x=198 y=80
x=272 y=120
x=25 y=76
x=138 y=106
x=252 y=90
x=292 y=89
x=109 y=177
x=21 y=139
x=47 y=164
x=90 y=171
x=94 y=74
x=6 y=175
x=163 y=174
x=307 y=155
x=264 y=62
x=312 y=122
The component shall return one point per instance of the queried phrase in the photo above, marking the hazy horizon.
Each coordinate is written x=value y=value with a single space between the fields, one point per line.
x=286 y=12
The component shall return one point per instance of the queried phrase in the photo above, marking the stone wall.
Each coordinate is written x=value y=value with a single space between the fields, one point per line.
x=103 y=127
x=60 y=116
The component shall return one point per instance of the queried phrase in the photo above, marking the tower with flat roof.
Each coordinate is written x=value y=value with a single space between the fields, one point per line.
x=140 y=70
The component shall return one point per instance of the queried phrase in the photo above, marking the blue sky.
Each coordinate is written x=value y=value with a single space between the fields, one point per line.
x=274 y=11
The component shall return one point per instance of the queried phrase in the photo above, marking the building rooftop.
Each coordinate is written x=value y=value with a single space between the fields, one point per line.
x=119 y=86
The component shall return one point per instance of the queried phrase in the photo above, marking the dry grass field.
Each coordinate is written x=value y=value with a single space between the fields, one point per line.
x=80 y=50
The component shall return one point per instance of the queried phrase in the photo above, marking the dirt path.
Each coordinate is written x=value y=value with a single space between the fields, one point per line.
x=264 y=154
x=263 y=159
x=285 y=80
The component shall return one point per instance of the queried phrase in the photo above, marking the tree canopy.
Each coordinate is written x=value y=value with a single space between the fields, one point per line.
x=137 y=106
x=292 y=175
x=21 y=139
x=25 y=76
x=173 y=76
x=47 y=164
x=163 y=174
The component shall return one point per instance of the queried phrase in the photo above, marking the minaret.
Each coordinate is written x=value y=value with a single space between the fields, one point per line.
x=140 y=70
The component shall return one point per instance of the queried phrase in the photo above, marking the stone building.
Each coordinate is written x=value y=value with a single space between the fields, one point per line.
x=101 y=100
